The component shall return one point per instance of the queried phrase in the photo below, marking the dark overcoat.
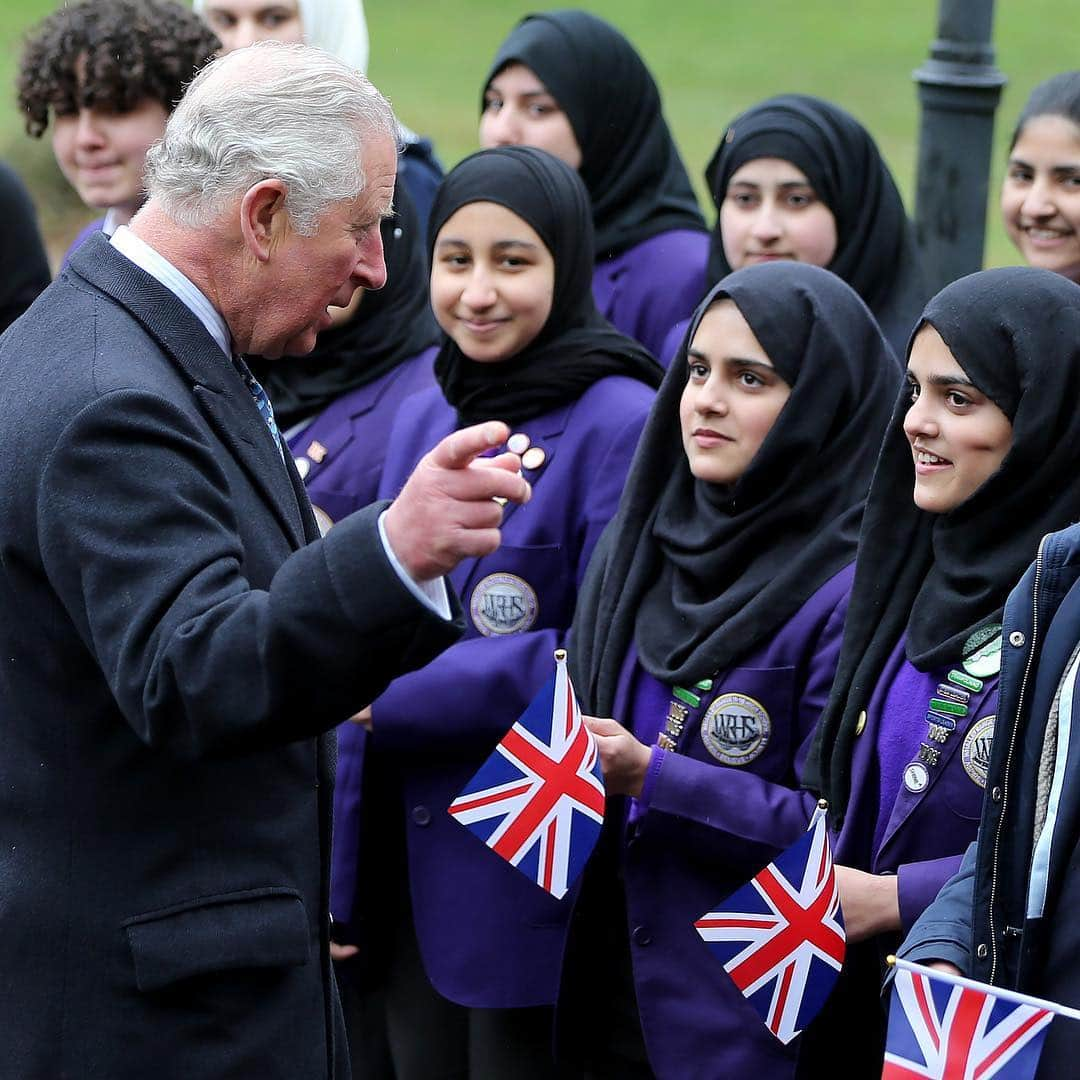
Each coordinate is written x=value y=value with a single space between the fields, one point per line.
x=175 y=641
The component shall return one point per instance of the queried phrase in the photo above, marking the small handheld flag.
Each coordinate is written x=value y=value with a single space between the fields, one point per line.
x=781 y=936
x=538 y=800
x=945 y=1027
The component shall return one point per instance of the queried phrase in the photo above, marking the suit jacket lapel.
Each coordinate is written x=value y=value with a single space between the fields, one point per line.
x=216 y=384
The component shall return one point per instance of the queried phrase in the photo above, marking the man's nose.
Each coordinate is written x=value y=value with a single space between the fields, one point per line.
x=370 y=269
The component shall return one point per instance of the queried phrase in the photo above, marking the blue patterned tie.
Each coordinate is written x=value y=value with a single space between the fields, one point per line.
x=262 y=402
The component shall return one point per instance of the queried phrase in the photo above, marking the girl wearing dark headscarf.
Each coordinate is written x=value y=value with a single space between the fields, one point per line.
x=987 y=437
x=473 y=945
x=1040 y=198
x=709 y=626
x=798 y=178
x=571 y=84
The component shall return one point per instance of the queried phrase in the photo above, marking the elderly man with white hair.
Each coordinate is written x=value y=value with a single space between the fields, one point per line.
x=177 y=638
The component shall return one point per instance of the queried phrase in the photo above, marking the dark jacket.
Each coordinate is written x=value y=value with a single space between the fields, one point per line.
x=997 y=918
x=175 y=641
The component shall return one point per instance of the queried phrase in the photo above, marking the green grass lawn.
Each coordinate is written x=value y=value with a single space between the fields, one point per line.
x=712 y=59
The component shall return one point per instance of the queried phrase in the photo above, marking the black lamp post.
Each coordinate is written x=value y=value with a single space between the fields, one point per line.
x=959 y=90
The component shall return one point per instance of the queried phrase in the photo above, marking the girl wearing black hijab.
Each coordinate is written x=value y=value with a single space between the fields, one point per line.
x=986 y=436
x=571 y=84
x=336 y=405
x=798 y=178
x=708 y=626
x=473 y=945
x=1040 y=198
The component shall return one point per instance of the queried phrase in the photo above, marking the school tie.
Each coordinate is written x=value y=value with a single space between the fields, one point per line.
x=262 y=402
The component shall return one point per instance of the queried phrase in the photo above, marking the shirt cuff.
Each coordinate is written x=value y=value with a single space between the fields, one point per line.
x=432 y=594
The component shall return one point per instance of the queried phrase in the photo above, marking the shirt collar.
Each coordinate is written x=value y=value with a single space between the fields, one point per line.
x=182 y=287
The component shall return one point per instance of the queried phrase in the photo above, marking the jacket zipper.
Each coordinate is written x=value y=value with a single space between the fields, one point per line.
x=1009 y=756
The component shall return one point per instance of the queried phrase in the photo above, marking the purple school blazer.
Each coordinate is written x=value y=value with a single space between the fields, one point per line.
x=928 y=830
x=340 y=454
x=489 y=937
x=708 y=827
x=652 y=286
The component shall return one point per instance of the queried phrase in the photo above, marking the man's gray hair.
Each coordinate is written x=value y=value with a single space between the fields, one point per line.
x=288 y=112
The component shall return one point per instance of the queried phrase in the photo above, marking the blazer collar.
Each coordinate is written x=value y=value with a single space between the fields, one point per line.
x=215 y=382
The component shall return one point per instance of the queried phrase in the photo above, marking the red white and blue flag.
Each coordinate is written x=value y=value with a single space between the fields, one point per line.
x=538 y=800
x=945 y=1030
x=781 y=936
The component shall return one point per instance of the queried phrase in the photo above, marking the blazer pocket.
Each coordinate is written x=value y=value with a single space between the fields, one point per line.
x=258 y=928
x=521 y=588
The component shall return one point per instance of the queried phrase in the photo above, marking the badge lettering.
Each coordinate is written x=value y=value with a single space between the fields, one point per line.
x=736 y=729
x=503 y=604
x=975 y=752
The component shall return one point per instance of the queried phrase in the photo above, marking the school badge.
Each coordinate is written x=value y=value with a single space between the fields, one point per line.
x=975 y=753
x=503 y=604
x=736 y=729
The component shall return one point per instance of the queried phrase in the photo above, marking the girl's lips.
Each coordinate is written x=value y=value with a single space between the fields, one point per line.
x=769 y=256
x=922 y=469
x=706 y=438
x=485 y=326
x=1039 y=237
x=927 y=463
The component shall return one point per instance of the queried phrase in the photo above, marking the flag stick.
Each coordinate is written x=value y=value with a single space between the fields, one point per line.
x=1006 y=995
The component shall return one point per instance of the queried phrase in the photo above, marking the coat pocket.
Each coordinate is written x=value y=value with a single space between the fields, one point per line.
x=258 y=928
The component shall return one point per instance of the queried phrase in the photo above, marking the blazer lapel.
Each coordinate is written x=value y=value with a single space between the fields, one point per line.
x=216 y=384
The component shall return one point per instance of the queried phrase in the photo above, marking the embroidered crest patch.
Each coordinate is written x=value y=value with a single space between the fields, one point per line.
x=503 y=604
x=736 y=729
x=975 y=753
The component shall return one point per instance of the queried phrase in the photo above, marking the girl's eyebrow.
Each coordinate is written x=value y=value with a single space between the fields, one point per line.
x=951 y=380
x=732 y=361
x=502 y=245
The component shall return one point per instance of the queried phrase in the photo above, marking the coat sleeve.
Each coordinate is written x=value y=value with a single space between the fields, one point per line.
x=140 y=540
x=752 y=817
x=944 y=929
x=468 y=697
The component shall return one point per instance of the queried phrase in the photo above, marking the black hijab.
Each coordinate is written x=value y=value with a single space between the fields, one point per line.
x=940 y=577
x=696 y=573
x=577 y=346
x=629 y=162
x=391 y=325
x=875 y=250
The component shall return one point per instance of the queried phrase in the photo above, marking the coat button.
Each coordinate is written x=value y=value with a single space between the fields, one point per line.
x=995 y=794
x=982 y=952
x=641 y=936
x=860 y=724
x=1016 y=638
x=421 y=815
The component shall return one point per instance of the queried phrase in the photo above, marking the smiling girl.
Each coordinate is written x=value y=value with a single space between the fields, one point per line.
x=107 y=74
x=464 y=946
x=1040 y=198
x=706 y=639
x=980 y=461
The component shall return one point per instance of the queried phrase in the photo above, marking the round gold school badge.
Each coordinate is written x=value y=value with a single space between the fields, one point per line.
x=736 y=729
x=975 y=753
x=503 y=604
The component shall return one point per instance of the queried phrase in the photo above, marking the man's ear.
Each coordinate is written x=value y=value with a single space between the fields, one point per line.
x=263 y=216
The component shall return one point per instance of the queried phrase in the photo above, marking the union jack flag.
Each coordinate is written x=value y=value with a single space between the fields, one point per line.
x=538 y=800
x=944 y=1031
x=781 y=936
